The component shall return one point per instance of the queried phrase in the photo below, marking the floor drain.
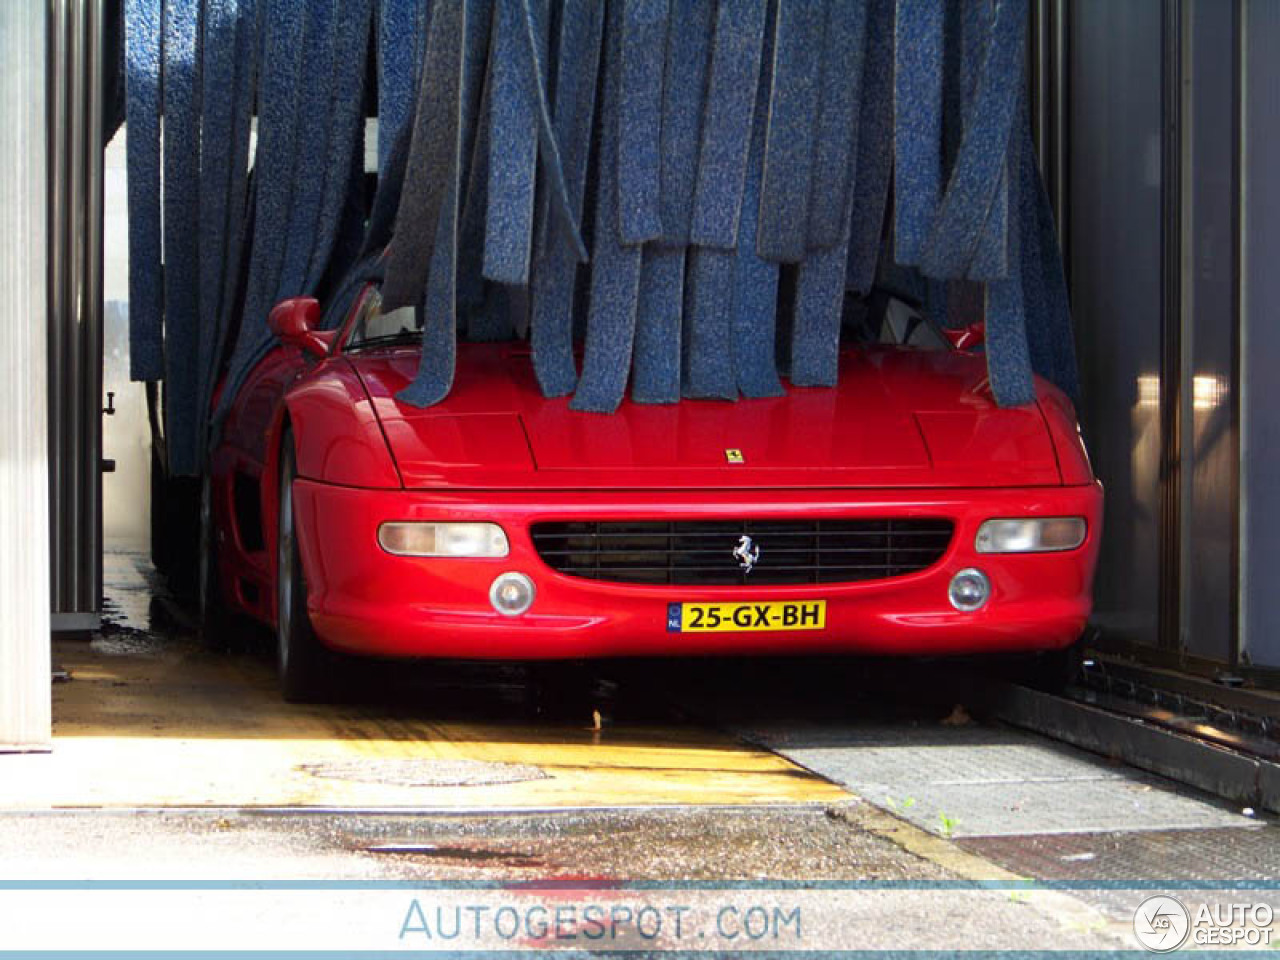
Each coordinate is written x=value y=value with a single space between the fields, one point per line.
x=426 y=773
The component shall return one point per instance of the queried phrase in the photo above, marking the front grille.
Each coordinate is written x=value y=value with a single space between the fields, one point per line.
x=701 y=553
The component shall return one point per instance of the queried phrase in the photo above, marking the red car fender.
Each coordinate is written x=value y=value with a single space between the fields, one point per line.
x=336 y=433
x=1060 y=417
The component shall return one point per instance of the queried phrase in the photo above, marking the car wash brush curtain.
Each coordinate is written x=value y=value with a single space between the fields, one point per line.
x=646 y=187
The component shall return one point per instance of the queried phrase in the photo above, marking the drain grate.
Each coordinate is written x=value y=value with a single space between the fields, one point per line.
x=426 y=772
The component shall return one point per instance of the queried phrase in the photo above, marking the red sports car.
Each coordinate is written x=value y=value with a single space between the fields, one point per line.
x=902 y=512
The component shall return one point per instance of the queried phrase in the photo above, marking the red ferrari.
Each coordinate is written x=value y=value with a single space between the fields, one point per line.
x=902 y=512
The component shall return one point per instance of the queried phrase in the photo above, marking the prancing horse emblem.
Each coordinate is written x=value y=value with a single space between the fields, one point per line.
x=747 y=553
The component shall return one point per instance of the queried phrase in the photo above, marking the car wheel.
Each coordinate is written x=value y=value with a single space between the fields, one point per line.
x=305 y=666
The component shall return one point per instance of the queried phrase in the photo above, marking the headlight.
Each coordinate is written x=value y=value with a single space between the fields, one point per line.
x=406 y=539
x=1043 y=535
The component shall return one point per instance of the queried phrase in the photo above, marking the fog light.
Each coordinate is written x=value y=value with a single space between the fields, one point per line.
x=1039 y=535
x=969 y=590
x=411 y=539
x=512 y=594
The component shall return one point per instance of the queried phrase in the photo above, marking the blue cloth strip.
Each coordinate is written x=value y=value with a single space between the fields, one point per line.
x=223 y=21
x=726 y=122
x=819 y=306
x=432 y=161
x=917 y=138
x=402 y=28
x=656 y=361
x=181 y=96
x=683 y=87
x=615 y=267
x=446 y=88
x=836 y=137
x=968 y=207
x=513 y=146
x=578 y=64
x=1050 y=337
x=386 y=198
x=346 y=130
x=644 y=44
x=1006 y=342
x=753 y=286
x=239 y=208
x=553 y=164
x=708 y=352
x=875 y=148
x=311 y=156
x=142 y=109
x=655 y=376
x=279 y=50
x=793 y=111
x=471 y=237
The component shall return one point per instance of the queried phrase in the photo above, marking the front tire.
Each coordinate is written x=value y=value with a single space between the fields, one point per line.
x=304 y=665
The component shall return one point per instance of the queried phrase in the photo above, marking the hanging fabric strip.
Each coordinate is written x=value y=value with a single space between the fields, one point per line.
x=708 y=354
x=819 y=305
x=471 y=235
x=644 y=31
x=683 y=88
x=726 y=122
x=554 y=277
x=311 y=148
x=350 y=231
x=224 y=20
x=793 y=109
x=615 y=268
x=446 y=87
x=835 y=145
x=657 y=357
x=402 y=28
x=917 y=125
x=513 y=146
x=753 y=285
x=968 y=207
x=1006 y=340
x=142 y=86
x=732 y=294
x=386 y=198
x=1044 y=287
x=181 y=94
x=433 y=160
x=279 y=49
x=875 y=148
x=346 y=130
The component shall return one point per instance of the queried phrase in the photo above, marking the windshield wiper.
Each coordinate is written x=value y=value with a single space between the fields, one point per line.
x=387 y=339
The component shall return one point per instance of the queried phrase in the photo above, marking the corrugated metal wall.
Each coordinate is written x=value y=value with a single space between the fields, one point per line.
x=24 y=583
x=75 y=117
x=1173 y=125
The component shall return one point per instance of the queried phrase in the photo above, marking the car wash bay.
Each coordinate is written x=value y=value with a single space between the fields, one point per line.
x=1140 y=112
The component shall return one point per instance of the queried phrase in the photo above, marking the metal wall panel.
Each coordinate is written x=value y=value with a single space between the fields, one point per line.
x=1260 y=337
x=24 y=569
x=75 y=310
x=1207 y=334
x=1114 y=254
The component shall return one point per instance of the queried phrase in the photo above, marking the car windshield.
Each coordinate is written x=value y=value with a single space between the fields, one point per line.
x=374 y=327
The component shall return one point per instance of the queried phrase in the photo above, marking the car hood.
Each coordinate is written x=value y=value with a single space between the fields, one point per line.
x=899 y=418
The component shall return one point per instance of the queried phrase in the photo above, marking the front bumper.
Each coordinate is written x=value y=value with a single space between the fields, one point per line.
x=366 y=601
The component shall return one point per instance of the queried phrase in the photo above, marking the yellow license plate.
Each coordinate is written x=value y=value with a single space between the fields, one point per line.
x=745 y=617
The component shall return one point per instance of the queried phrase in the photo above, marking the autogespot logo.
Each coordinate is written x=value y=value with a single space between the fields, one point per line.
x=1161 y=924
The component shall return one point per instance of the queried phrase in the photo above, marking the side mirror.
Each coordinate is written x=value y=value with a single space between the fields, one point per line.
x=294 y=323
